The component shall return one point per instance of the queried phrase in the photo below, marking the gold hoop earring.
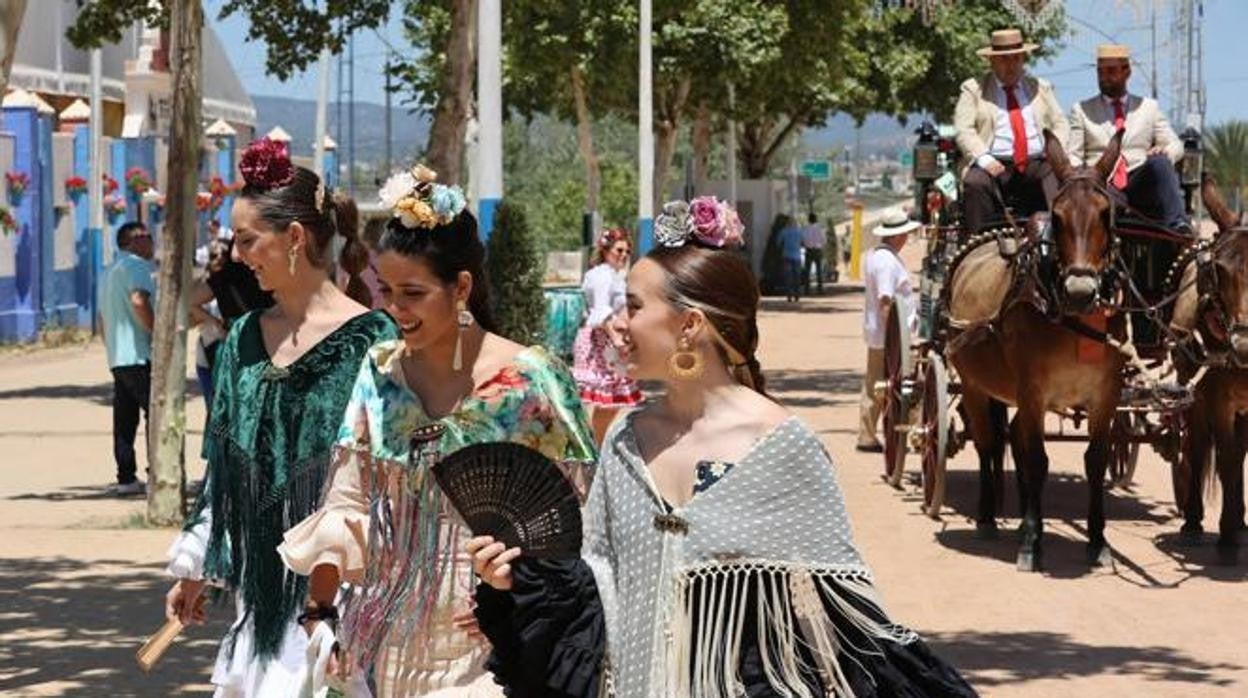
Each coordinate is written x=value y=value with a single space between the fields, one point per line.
x=291 y=256
x=465 y=321
x=685 y=364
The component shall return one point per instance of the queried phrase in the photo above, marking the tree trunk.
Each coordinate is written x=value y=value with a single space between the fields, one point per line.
x=445 y=152
x=585 y=140
x=667 y=127
x=11 y=13
x=166 y=422
x=701 y=148
x=759 y=141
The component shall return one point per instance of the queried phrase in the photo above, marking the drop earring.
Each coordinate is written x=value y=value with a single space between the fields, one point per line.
x=291 y=255
x=685 y=363
x=465 y=321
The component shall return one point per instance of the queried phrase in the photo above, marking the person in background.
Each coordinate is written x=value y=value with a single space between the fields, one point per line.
x=127 y=315
x=596 y=365
x=886 y=283
x=791 y=256
x=814 y=239
x=371 y=237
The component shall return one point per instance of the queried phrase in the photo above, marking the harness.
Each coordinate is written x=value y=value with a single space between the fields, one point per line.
x=1211 y=313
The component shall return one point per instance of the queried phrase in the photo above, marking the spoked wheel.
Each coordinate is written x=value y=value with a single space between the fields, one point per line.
x=897 y=370
x=1125 y=452
x=935 y=424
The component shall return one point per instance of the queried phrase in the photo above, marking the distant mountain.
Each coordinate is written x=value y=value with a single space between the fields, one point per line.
x=298 y=118
x=882 y=135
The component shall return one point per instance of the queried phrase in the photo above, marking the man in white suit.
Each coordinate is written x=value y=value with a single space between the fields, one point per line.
x=1144 y=177
x=1001 y=118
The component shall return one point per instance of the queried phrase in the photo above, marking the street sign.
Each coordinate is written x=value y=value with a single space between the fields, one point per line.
x=817 y=170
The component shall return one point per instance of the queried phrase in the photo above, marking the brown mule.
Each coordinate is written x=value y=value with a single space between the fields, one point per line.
x=1028 y=358
x=1214 y=306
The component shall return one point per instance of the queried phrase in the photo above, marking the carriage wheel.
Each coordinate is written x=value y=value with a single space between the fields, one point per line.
x=1124 y=453
x=935 y=421
x=897 y=370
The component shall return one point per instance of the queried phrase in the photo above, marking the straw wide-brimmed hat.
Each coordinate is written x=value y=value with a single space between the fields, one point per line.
x=894 y=222
x=1112 y=51
x=1006 y=42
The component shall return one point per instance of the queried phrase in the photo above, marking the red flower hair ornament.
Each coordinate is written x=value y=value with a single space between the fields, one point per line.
x=265 y=164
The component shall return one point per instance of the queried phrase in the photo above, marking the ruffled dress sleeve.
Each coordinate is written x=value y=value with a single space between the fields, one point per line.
x=337 y=533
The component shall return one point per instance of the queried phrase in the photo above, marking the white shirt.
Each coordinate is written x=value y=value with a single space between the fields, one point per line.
x=1002 y=146
x=885 y=277
x=814 y=236
x=604 y=290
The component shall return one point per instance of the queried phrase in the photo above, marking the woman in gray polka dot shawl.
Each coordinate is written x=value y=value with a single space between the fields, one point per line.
x=715 y=529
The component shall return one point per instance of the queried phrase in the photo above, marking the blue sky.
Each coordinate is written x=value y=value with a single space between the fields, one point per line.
x=1092 y=21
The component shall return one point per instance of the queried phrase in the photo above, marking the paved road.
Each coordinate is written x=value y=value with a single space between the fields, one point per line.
x=80 y=585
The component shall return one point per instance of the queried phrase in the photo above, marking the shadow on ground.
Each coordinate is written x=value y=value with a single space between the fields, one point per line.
x=1065 y=499
x=71 y=629
x=807 y=306
x=813 y=388
x=98 y=394
x=991 y=659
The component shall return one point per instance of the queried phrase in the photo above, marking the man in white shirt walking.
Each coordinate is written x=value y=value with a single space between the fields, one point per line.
x=814 y=239
x=886 y=282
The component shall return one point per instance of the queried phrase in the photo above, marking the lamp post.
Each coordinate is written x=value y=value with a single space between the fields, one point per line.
x=645 y=137
x=489 y=171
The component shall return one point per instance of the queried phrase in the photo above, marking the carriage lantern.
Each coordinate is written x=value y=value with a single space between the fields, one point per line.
x=1192 y=152
x=926 y=150
x=1191 y=164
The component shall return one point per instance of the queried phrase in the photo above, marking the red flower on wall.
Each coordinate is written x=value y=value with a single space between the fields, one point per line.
x=110 y=185
x=75 y=185
x=138 y=181
x=17 y=181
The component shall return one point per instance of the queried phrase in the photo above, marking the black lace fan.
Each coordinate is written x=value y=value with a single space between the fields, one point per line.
x=516 y=495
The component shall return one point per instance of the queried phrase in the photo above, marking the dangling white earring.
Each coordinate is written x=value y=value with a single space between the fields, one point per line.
x=465 y=320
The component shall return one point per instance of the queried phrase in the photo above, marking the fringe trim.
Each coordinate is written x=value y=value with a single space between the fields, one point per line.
x=791 y=617
x=411 y=549
x=252 y=506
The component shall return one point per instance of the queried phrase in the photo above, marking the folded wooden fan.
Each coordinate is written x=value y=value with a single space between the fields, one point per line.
x=516 y=495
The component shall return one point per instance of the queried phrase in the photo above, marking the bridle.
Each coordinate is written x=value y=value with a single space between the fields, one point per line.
x=1108 y=278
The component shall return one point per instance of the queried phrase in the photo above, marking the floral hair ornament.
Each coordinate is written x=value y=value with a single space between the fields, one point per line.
x=705 y=221
x=265 y=164
x=418 y=201
x=610 y=236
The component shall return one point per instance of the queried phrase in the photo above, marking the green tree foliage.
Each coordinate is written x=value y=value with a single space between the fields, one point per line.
x=544 y=177
x=1226 y=158
x=515 y=274
x=293 y=31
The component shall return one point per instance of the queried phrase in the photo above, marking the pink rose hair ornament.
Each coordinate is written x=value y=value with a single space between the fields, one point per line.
x=705 y=221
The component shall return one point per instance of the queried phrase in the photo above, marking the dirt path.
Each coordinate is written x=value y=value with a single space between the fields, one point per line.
x=81 y=585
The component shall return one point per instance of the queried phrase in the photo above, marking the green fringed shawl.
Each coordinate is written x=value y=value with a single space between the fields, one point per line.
x=268 y=448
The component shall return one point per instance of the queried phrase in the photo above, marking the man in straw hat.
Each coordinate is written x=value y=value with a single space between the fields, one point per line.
x=1144 y=177
x=886 y=281
x=1001 y=118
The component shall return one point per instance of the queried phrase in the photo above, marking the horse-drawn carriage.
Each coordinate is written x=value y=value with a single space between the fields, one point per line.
x=1018 y=315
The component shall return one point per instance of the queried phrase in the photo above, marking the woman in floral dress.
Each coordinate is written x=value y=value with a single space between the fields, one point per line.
x=384 y=527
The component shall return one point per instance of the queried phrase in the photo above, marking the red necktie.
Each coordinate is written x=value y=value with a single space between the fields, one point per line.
x=1119 y=178
x=1016 y=125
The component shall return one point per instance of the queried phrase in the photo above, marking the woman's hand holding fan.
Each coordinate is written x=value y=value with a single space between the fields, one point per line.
x=492 y=561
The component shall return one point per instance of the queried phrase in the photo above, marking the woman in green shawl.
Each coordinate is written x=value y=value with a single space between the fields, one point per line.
x=283 y=377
